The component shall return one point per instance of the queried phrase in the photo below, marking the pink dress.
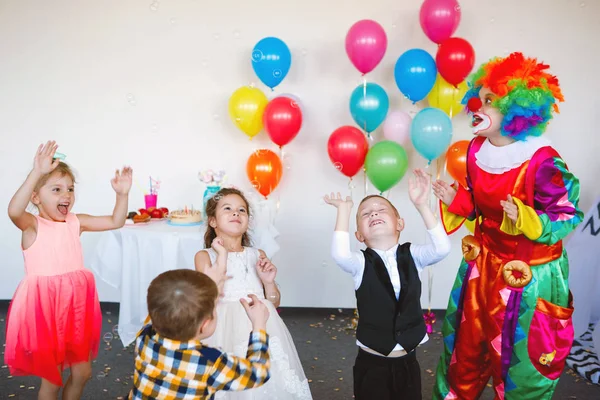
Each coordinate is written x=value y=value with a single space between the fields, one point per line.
x=54 y=319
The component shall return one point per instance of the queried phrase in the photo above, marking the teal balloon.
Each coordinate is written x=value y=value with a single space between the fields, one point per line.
x=369 y=106
x=431 y=133
x=386 y=164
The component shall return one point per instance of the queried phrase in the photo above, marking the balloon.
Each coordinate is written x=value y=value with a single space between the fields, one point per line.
x=455 y=59
x=456 y=161
x=369 y=105
x=439 y=19
x=347 y=148
x=246 y=107
x=447 y=97
x=366 y=43
x=282 y=119
x=271 y=60
x=295 y=98
x=264 y=170
x=386 y=164
x=415 y=73
x=431 y=133
x=397 y=127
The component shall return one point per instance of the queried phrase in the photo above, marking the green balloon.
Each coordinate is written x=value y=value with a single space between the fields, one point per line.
x=386 y=164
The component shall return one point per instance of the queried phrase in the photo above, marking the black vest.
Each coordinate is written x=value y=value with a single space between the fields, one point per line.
x=384 y=321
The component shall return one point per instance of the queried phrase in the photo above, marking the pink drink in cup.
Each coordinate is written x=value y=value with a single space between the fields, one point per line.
x=150 y=200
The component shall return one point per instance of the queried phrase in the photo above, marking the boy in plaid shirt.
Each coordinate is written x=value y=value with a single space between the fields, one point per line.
x=171 y=362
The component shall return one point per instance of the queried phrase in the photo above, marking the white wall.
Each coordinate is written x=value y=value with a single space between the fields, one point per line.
x=67 y=68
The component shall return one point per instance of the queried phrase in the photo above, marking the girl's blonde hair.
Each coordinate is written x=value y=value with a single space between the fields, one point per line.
x=63 y=169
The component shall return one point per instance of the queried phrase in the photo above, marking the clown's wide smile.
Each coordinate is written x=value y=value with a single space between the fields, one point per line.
x=480 y=122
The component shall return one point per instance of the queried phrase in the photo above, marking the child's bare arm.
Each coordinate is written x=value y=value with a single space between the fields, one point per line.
x=43 y=163
x=267 y=272
x=217 y=271
x=121 y=183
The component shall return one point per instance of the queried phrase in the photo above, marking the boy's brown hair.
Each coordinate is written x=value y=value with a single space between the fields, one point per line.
x=179 y=301
x=211 y=212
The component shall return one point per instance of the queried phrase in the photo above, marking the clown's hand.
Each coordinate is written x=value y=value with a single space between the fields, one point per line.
x=510 y=208
x=444 y=192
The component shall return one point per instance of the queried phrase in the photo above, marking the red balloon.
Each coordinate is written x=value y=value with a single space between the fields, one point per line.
x=347 y=148
x=282 y=119
x=455 y=59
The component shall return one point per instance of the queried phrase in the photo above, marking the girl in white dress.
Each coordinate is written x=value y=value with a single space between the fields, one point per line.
x=249 y=272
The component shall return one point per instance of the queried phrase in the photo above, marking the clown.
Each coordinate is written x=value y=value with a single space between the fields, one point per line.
x=509 y=312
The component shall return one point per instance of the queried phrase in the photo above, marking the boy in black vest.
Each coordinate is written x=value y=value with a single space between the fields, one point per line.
x=388 y=290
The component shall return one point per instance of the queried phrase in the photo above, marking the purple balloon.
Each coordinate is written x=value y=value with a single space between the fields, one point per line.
x=397 y=127
x=366 y=43
x=439 y=19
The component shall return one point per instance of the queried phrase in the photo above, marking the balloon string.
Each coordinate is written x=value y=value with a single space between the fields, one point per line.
x=278 y=204
x=452 y=103
x=365 y=176
x=365 y=90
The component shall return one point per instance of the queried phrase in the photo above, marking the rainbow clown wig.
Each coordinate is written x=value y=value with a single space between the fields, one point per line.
x=527 y=95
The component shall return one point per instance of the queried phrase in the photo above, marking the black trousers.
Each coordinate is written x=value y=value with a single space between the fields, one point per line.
x=383 y=378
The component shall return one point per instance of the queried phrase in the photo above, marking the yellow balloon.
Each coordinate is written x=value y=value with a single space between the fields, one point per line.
x=446 y=97
x=246 y=107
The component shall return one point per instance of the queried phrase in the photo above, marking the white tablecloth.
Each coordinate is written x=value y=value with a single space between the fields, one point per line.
x=131 y=257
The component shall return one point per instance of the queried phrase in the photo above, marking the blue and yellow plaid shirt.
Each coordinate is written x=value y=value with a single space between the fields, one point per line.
x=168 y=369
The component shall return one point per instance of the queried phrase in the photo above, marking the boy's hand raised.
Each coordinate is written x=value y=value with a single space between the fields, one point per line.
x=337 y=201
x=257 y=312
x=418 y=188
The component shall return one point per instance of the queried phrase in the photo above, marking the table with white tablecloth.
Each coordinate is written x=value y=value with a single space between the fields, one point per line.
x=131 y=257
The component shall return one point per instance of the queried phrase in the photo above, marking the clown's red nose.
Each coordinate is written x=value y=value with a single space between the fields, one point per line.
x=474 y=104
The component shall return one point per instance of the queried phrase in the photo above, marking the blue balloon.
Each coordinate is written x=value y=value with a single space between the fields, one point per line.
x=431 y=133
x=369 y=105
x=415 y=74
x=271 y=60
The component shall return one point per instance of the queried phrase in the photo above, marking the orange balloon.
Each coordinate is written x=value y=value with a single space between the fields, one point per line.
x=264 y=170
x=456 y=161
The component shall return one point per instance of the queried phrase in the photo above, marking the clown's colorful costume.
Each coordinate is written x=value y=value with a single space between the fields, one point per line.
x=509 y=313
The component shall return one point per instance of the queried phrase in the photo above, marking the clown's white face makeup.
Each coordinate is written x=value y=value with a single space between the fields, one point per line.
x=488 y=119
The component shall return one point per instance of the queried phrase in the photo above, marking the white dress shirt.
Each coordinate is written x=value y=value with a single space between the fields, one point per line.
x=423 y=255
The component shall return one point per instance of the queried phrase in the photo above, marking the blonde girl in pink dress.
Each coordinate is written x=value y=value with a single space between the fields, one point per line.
x=54 y=320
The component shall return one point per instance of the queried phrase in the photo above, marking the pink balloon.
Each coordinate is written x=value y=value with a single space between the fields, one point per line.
x=366 y=43
x=439 y=19
x=397 y=127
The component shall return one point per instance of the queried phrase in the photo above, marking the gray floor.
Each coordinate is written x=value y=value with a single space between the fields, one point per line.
x=326 y=347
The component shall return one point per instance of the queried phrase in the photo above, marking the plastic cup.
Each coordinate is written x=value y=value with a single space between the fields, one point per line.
x=150 y=200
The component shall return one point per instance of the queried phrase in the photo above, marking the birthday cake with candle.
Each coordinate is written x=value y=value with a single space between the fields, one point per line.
x=185 y=216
